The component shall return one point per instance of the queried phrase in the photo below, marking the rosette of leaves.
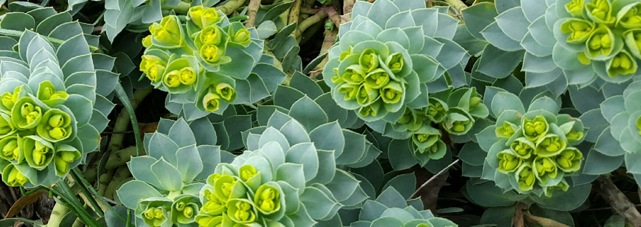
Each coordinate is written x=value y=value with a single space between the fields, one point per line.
x=304 y=101
x=53 y=90
x=389 y=205
x=167 y=181
x=530 y=151
x=388 y=57
x=390 y=208
x=569 y=42
x=623 y=115
x=282 y=179
x=202 y=60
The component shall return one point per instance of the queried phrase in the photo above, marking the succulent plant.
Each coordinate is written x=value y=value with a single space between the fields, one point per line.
x=388 y=55
x=167 y=181
x=419 y=135
x=568 y=42
x=135 y=15
x=390 y=208
x=623 y=113
x=203 y=60
x=282 y=179
x=530 y=151
x=319 y=117
x=53 y=90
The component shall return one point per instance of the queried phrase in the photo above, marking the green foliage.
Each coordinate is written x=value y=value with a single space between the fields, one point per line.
x=559 y=42
x=53 y=95
x=282 y=179
x=168 y=180
x=192 y=60
x=320 y=113
x=530 y=151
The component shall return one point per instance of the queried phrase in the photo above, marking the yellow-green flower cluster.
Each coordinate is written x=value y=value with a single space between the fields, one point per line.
x=372 y=81
x=30 y=131
x=536 y=149
x=186 y=56
x=605 y=30
x=456 y=115
x=239 y=199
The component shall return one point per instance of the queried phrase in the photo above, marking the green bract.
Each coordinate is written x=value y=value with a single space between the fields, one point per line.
x=205 y=63
x=530 y=151
x=287 y=177
x=168 y=180
x=561 y=43
x=53 y=92
x=453 y=111
x=384 y=63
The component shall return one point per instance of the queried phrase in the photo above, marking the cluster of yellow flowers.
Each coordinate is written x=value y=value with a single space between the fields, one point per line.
x=30 y=129
x=538 y=150
x=238 y=199
x=183 y=57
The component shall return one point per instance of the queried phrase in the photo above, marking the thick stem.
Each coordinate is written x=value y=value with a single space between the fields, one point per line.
x=333 y=15
x=123 y=121
x=294 y=12
x=348 y=5
x=541 y=221
x=120 y=157
x=519 y=211
x=120 y=177
x=181 y=8
x=58 y=212
x=617 y=200
x=457 y=4
x=104 y=180
x=252 y=10
x=328 y=42
x=304 y=25
x=230 y=6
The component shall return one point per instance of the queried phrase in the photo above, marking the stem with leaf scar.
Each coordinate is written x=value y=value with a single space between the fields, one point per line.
x=57 y=213
x=305 y=24
x=617 y=200
x=230 y=6
x=252 y=10
x=457 y=4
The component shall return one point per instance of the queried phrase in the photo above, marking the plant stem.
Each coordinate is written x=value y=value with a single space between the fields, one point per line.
x=617 y=200
x=18 y=34
x=181 y=8
x=121 y=176
x=120 y=157
x=304 y=25
x=252 y=10
x=348 y=5
x=328 y=42
x=57 y=213
x=230 y=6
x=333 y=15
x=457 y=4
x=294 y=12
